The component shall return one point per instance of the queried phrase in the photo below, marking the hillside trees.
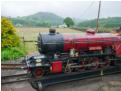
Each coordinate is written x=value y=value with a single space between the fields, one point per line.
x=110 y=22
x=40 y=19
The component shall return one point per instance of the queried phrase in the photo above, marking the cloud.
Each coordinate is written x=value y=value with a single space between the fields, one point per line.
x=74 y=9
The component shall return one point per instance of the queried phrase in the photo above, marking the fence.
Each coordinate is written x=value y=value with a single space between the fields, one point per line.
x=24 y=41
x=30 y=43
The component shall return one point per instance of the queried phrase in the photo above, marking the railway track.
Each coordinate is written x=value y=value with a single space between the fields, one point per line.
x=14 y=78
x=17 y=66
x=61 y=78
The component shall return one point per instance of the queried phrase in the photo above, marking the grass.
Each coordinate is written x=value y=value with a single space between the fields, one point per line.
x=106 y=30
x=30 y=33
x=100 y=29
x=12 y=53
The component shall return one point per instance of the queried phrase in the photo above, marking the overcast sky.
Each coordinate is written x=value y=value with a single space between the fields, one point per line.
x=74 y=9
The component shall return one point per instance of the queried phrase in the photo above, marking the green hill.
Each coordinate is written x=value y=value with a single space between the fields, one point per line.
x=110 y=22
x=38 y=19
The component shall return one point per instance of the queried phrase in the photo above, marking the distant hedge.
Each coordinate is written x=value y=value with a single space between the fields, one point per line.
x=111 y=22
x=9 y=36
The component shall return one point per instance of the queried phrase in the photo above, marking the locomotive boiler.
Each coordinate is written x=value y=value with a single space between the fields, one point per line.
x=66 y=53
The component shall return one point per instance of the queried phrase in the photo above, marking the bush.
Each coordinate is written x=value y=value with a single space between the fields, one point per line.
x=11 y=48
x=9 y=36
x=12 y=53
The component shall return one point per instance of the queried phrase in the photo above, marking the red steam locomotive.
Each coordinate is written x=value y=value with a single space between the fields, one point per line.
x=65 y=53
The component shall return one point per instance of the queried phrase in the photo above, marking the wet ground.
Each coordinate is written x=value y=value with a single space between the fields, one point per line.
x=106 y=83
x=93 y=84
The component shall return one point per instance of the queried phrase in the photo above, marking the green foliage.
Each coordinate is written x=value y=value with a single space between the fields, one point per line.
x=8 y=34
x=11 y=48
x=41 y=19
x=110 y=22
x=12 y=53
x=68 y=21
x=39 y=24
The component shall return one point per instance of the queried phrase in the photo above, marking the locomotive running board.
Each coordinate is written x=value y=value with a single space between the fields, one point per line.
x=60 y=78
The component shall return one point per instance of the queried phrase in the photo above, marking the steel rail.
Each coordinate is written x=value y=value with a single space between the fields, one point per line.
x=12 y=66
x=18 y=64
x=14 y=78
x=17 y=75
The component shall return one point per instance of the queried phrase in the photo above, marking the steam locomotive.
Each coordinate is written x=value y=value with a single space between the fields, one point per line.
x=68 y=53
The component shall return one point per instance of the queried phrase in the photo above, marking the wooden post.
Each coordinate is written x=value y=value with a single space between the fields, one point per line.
x=24 y=41
x=98 y=17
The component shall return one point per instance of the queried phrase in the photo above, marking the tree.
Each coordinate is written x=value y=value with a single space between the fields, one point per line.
x=68 y=21
x=9 y=36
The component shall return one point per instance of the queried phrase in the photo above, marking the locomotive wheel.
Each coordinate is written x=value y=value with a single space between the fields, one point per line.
x=95 y=61
x=82 y=68
x=106 y=64
x=37 y=73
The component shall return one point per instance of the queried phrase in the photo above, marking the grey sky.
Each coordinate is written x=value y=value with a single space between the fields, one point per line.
x=74 y=9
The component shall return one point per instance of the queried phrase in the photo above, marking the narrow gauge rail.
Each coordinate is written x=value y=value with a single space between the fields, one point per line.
x=12 y=66
x=14 y=78
x=39 y=84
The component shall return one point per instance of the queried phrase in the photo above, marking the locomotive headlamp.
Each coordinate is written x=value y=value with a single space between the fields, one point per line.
x=38 y=64
x=38 y=60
